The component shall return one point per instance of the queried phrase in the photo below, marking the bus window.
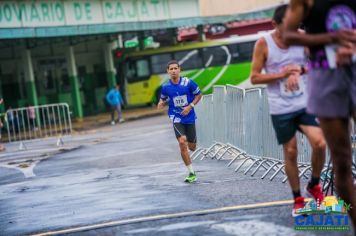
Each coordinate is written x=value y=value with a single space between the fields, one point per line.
x=216 y=56
x=137 y=70
x=130 y=69
x=241 y=52
x=159 y=63
x=189 y=59
x=142 y=68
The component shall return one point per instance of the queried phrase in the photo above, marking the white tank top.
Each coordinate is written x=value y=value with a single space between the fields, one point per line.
x=282 y=101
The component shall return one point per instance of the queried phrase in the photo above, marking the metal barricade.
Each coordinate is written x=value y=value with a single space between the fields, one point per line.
x=237 y=122
x=36 y=122
x=270 y=145
x=234 y=122
x=252 y=122
x=219 y=116
x=204 y=124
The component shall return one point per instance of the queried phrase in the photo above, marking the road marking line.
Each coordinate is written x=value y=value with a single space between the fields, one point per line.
x=167 y=216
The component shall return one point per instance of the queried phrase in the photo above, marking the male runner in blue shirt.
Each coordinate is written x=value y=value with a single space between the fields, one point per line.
x=181 y=94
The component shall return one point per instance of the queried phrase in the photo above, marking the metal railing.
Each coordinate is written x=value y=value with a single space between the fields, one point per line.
x=235 y=124
x=34 y=122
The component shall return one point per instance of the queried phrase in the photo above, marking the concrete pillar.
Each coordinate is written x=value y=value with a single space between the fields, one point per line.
x=73 y=76
x=109 y=64
x=201 y=33
x=2 y=107
x=29 y=78
x=173 y=33
x=141 y=37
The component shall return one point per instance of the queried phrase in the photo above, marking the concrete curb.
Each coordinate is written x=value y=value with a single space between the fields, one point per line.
x=101 y=124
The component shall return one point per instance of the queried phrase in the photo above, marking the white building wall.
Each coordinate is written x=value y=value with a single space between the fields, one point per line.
x=233 y=7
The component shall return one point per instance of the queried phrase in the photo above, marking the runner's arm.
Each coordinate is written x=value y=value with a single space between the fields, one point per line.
x=194 y=89
x=161 y=103
x=196 y=100
x=188 y=108
x=258 y=62
x=163 y=99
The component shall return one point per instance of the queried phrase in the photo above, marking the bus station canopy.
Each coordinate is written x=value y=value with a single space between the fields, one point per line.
x=38 y=19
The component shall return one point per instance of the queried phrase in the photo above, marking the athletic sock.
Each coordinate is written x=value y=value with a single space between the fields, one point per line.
x=190 y=169
x=296 y=194
x=314 y=181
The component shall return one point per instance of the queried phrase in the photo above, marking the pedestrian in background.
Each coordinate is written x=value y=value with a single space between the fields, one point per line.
x=114 y=98
x=2 y=147
x=31 y=114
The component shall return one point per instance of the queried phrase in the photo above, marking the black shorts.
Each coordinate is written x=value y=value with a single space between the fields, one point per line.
x=187 y=130
x=286 y=125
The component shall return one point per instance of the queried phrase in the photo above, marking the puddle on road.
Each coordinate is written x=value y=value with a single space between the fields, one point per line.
x=24 y=165
x=21 y=164
x=28 y=162
x=31 y=189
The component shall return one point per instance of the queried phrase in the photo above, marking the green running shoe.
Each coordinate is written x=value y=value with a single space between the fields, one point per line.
x=191 y=178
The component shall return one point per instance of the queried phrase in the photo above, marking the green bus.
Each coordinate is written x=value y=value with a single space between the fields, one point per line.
x=208 y=63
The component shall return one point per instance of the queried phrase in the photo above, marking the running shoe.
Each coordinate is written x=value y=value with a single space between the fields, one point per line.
x=191 y=178
x=298 y=204
x=315 y=192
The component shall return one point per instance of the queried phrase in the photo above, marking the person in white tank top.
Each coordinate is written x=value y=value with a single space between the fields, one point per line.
x=287 y=98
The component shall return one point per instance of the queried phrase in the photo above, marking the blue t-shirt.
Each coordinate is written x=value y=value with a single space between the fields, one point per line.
x=114 y=97
x=179 y=96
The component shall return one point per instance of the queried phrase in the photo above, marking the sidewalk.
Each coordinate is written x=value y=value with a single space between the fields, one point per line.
x=104 y=119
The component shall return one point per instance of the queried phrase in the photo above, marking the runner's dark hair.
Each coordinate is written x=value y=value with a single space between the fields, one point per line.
x=279 y=13
x=172 y=62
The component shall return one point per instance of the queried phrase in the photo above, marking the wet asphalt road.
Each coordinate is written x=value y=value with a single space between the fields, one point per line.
x=128 y=171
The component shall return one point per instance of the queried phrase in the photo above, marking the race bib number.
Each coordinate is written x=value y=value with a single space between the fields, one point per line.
x=180 y=101
x=285 y=92
x=330 y=51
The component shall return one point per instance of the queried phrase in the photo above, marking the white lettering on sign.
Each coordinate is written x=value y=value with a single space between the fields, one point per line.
x=45 y=13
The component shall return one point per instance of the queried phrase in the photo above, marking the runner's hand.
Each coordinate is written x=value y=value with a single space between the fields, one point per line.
x=291 y=69
x=186 y=110
x=345 y=37
x=293 y=82
x=344 y=55
x=161 y=104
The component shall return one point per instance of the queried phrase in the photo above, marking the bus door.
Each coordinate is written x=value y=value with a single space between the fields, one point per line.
x=137 y=81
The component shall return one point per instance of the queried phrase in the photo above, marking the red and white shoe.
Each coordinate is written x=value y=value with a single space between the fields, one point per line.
x=298 y=204
x=315 y=192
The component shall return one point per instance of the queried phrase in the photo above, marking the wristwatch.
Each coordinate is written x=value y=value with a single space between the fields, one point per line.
x=192 y=105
